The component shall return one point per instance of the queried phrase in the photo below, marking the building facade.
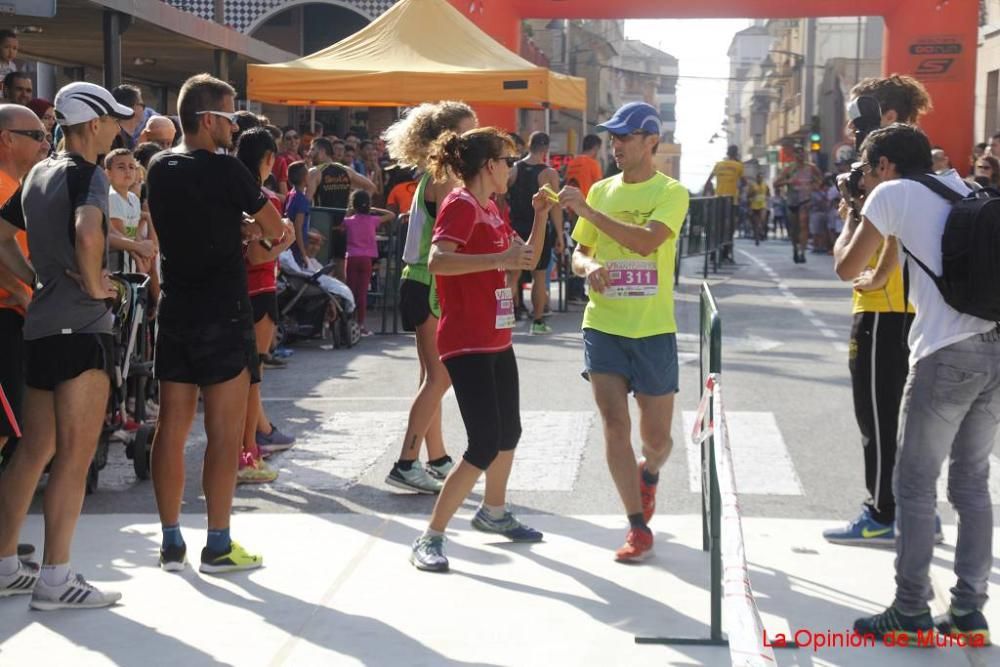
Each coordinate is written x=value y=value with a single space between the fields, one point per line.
x=987 y=121
x=617 y=71
x=790 y=78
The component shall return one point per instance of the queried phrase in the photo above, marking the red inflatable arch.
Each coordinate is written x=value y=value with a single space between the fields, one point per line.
x=932 y=40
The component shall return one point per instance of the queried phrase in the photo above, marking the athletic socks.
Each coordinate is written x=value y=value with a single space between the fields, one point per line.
x=172 y=536
x=496 y=512
x=55 y=575
x=433 y=533
x=8 y=565
x=218 y=540
x=651 y=478
x=404 y=465
x=636 y=521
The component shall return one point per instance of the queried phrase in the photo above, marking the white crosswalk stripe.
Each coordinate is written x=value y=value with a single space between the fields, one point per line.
x=341 y=450
x=549 y=453
x=337 y=453
x=760 y=457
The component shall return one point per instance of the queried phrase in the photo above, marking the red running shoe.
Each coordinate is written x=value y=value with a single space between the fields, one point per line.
x=638 y=545
x=648 y=494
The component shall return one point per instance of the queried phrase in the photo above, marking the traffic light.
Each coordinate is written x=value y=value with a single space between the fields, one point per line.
x=815 y=142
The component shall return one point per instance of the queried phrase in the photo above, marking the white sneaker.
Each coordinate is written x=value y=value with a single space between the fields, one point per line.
x=21 y=582
x=76 y=593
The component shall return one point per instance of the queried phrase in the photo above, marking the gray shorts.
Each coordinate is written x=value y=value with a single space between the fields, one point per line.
x=649 y=365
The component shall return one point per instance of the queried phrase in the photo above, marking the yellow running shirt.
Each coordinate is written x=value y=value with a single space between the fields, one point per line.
x=640 y=300
x=727 y=178
x=758 y=196
x=889 y=299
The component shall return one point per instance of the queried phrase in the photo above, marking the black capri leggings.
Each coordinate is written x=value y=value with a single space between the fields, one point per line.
x=486 y=386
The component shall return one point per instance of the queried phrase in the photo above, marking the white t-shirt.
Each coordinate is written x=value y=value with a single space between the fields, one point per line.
x=916 y=216
x=127 y=210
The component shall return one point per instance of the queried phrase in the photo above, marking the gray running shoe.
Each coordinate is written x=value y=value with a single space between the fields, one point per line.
x=508 y=526
x=76 y=593
x=428 y=554
x=414 y=479
x=21 y=582
x=441 y=471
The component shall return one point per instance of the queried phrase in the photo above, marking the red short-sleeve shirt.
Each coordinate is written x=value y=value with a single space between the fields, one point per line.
x=476 y=308
x=261 y=277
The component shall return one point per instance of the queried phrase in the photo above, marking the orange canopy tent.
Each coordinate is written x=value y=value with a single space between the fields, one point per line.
x=417 y=51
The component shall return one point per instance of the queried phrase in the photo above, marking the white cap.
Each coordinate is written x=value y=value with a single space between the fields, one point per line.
x=81 y=101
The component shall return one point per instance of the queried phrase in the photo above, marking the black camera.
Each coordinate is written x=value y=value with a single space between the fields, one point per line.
x=866 y=115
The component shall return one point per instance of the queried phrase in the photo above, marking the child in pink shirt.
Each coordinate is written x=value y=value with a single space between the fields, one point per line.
x=361 y=224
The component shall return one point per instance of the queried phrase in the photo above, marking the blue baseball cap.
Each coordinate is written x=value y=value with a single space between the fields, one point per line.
x=633 y=117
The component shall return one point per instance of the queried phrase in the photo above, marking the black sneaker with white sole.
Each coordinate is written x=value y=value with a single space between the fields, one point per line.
x=173 y=558
x=76 y=593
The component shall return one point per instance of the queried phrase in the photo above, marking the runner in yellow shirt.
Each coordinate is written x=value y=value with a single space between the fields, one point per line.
x=759 y=193
x=627 y=240
x=727 y=174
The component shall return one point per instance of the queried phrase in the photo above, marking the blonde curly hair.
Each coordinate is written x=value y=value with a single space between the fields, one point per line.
x=409 y=139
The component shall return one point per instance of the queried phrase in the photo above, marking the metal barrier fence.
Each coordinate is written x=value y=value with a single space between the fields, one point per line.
x=729 y=574
x=709 y=361
x=708 y=233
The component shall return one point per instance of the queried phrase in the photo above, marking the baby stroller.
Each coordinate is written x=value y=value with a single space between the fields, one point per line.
x=133 y=366
x=307 y=302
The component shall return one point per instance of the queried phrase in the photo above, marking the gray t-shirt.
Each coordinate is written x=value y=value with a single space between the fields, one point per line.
x=53 y=191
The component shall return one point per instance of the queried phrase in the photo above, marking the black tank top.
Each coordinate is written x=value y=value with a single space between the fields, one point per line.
x=525 y=185
x=334 y=190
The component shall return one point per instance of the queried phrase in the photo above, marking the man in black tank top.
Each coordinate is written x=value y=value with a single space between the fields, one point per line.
x=330 y=184
x=527 y=177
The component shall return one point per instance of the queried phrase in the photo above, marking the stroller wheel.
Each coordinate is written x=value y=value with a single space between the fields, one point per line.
x=141 y=446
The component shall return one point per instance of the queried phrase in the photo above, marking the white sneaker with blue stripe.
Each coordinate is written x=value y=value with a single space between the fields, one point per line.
x=76 y=593
x=21 y=582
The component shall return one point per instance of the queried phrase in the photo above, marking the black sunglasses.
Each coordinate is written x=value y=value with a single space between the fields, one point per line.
x=37 y=135
x=510 y=160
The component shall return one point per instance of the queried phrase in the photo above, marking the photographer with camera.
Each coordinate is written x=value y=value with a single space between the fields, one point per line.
x=952 y=392
x=877 y=359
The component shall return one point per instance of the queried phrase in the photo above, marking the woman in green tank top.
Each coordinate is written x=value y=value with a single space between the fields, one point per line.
x=408 y=142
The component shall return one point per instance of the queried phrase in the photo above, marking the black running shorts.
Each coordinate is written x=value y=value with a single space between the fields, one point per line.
x=52 y=360
x=207 y=354
x=265 y=303
x=414 y=303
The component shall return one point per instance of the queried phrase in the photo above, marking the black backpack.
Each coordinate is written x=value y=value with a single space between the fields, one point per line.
x=970 y=251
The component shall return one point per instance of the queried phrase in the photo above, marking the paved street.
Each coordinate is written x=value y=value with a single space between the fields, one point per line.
x=338 y=589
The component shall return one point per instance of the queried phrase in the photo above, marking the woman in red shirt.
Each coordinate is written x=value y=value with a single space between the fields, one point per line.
x=471 y=248
x=257 y=150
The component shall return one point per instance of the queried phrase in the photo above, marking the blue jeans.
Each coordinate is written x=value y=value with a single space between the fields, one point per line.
x=950 y=407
